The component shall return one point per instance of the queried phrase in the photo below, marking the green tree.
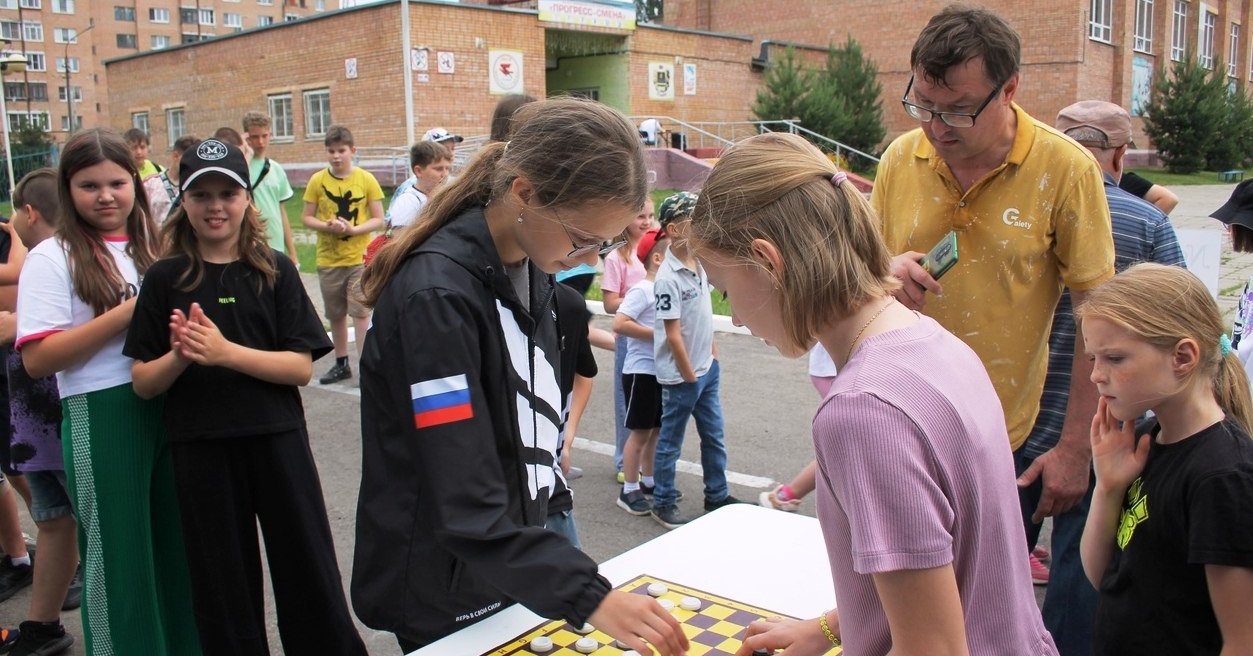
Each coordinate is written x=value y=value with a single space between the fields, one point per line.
x=1234 y=132
x=1184 y=115
x=852 y=81
x=782 y=96
x=29 y=139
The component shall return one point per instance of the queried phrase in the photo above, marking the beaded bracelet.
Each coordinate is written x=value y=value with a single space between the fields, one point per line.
x=826 y=628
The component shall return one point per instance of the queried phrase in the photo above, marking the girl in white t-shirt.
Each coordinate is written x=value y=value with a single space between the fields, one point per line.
x=75 y=303
x=623 y=269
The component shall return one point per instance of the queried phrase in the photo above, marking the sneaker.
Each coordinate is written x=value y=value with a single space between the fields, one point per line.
x=1039 y=573
x=13 y=577
x=1042 y=554
x=575 y=474
x=337 y=373
x=634 y=503
x=74 y=595
x=669 y=517
x=42 y=639
x=727 y=501
x=770 y=499
x=621 y=478
x=8 y=639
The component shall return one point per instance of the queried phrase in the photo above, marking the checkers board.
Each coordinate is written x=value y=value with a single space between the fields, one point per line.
x=717 y=629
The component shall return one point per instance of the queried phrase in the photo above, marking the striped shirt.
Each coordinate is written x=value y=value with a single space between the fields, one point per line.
x=1142 y=233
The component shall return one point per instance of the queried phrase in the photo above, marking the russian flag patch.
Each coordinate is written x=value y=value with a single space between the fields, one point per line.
x=441 y=401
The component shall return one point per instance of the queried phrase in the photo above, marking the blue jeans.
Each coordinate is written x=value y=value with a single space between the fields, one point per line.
x=1070 y=600
x=562 y=523
x=619 y=401
x=678 y=403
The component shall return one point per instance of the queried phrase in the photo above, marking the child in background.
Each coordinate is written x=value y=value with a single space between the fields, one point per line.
x=917 y=499
x=430 y=163
x=73 y=309
x=138 y=142
x=578 y=368
x=162 y=189
x=687 y=368
x=270 y=187
x=35 y=416
x=16 y=569
x=623 y=269
x=225 y=315
x=343 y=204
x=633 y=323
x=1169 y=538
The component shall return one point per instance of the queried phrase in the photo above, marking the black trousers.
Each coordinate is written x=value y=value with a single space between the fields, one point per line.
x=225 y=487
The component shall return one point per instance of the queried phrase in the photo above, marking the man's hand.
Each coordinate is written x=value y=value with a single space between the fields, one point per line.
x=915 y=281
x=1063 y=472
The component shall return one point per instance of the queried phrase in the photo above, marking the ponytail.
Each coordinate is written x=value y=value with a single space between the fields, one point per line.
x=472 y=189
x=1231 y=390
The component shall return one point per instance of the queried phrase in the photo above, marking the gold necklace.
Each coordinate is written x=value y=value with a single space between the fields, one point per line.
x=866 y=325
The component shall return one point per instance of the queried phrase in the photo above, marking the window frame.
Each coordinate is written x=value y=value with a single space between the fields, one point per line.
x=152 y=41
x=59 y=35
x=34 y=65
x=1142 y=40
x=154 y=14
x=66 y=6
x=1205 y=49
x=321 y=115
x=124 y=14
x=282 y=123
x=134 y=41
x=137 y=122
x=1101 y=21
x=171 y=124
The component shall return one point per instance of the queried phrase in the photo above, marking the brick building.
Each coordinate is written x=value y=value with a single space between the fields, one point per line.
x=347 y=67
x=1072 y=50
x=79 y=35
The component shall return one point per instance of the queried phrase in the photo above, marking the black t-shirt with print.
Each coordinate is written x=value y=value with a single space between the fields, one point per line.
x=214 y=402
x=1191 y=507
x=1134 y=184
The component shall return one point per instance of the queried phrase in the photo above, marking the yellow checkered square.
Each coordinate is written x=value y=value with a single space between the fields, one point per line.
x=725 y=628
x=563 y=637
x=690 y=631
x=698 y=649
x=730 y=645
x=718 y=612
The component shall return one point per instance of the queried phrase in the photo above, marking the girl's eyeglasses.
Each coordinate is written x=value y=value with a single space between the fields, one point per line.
x=600 y=248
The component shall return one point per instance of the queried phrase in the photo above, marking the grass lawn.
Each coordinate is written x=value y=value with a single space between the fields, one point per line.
x=1159 y=175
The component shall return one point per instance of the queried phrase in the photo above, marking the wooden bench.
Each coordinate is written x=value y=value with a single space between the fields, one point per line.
x=1234 y=175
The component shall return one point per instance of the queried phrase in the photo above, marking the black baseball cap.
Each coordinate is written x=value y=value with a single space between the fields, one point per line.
x=1238 y=209
x=213 y=156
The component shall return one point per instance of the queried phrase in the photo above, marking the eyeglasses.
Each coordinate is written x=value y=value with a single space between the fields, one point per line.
x=599 y=247
x=951 y=119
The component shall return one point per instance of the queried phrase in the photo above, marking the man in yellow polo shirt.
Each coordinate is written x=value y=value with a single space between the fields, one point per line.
x=1029 y=210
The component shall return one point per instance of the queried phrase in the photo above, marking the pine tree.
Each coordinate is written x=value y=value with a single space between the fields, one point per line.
x=784 y=90
x=1184 y=115
x=1229 y=148
x=854 y=79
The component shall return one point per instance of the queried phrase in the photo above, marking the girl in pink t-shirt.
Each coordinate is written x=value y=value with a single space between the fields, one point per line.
x=916 y=492
x=622 y=270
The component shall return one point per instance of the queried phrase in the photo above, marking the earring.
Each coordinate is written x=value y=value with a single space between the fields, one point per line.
x=519 y=217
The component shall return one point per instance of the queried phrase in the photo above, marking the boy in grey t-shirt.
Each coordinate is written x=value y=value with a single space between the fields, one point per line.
x=686 y=368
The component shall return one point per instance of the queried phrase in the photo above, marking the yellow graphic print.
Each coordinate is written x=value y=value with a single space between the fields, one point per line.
x=1134 y=511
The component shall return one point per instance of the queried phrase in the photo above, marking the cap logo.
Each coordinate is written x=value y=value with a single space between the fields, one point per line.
x=211 y=150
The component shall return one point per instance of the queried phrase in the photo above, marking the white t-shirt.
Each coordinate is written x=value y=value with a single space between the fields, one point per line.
x=820 y=363
x=682 y=294
x=651 y=127
x=47 y=304
x=640 y=306
x=405 y=207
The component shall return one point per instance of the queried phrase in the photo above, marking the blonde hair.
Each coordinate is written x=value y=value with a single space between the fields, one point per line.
x=1163 y=305
x=778 y=187
x=572 y=151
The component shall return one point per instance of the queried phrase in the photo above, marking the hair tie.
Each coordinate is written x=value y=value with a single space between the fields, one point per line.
x=1224 y=344
x=839 y=178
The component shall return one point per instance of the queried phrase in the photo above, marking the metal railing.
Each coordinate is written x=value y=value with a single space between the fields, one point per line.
x=695 y=136
x=395 y=159
x=23 y=164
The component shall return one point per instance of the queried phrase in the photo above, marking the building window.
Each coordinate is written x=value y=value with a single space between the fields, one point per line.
x=206 y=17
x=65 y=123
x=25 y=91
x=23 y=31
x=160 y=41
x=1233 y=49
x=32 y=31
x=1143 y=40
x=287 y=18
x=14 y=91
x=18 y=120
x=78 y=94
x=124 y=14
x=280 y=116
x=262 y=21
x=1206 y=56
x=1101 y=21
x=65 y=35
x=8 y=4
x=317 y=112
x=159 y=15
x=187 y=15
x=140 y=120
x=73 y=64
x=62 y=6
x=127 y=41
x=35 y=62
x=174 y=125
x=266 y=3
x=235 y=21
x=319 y=5
x=1179 y=31
x=30 y=4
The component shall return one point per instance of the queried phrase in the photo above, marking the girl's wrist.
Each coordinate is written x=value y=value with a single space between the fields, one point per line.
x=831 y=630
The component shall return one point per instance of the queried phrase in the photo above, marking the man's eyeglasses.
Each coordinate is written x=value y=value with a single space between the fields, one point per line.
x=599 y=247
x=951 y=119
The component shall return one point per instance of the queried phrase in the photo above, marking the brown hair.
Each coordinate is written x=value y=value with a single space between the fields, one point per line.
x=255 y=119
x=1241 y=238
x=502 y=116
x=185 y=143
x=1163 y=305
x=135 y=136
x=338 y=135
x=777 y=187
x=571 y=151
x=39 y=190
x=180 y=238
x=96 y=277
x=424 y=153
x=229 y=135
x=960 y=33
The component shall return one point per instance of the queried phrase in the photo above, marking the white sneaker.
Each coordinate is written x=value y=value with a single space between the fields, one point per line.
x=770 y=499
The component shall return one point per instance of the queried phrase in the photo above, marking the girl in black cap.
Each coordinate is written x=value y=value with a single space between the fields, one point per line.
x=225 y=317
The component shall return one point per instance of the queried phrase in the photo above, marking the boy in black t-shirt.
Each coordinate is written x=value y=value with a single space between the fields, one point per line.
x=578 y=367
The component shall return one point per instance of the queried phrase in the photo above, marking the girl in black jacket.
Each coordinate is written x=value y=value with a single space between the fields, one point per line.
x=460 y=403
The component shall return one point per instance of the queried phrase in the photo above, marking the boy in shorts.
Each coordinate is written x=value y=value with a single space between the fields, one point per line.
x=343 y=204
